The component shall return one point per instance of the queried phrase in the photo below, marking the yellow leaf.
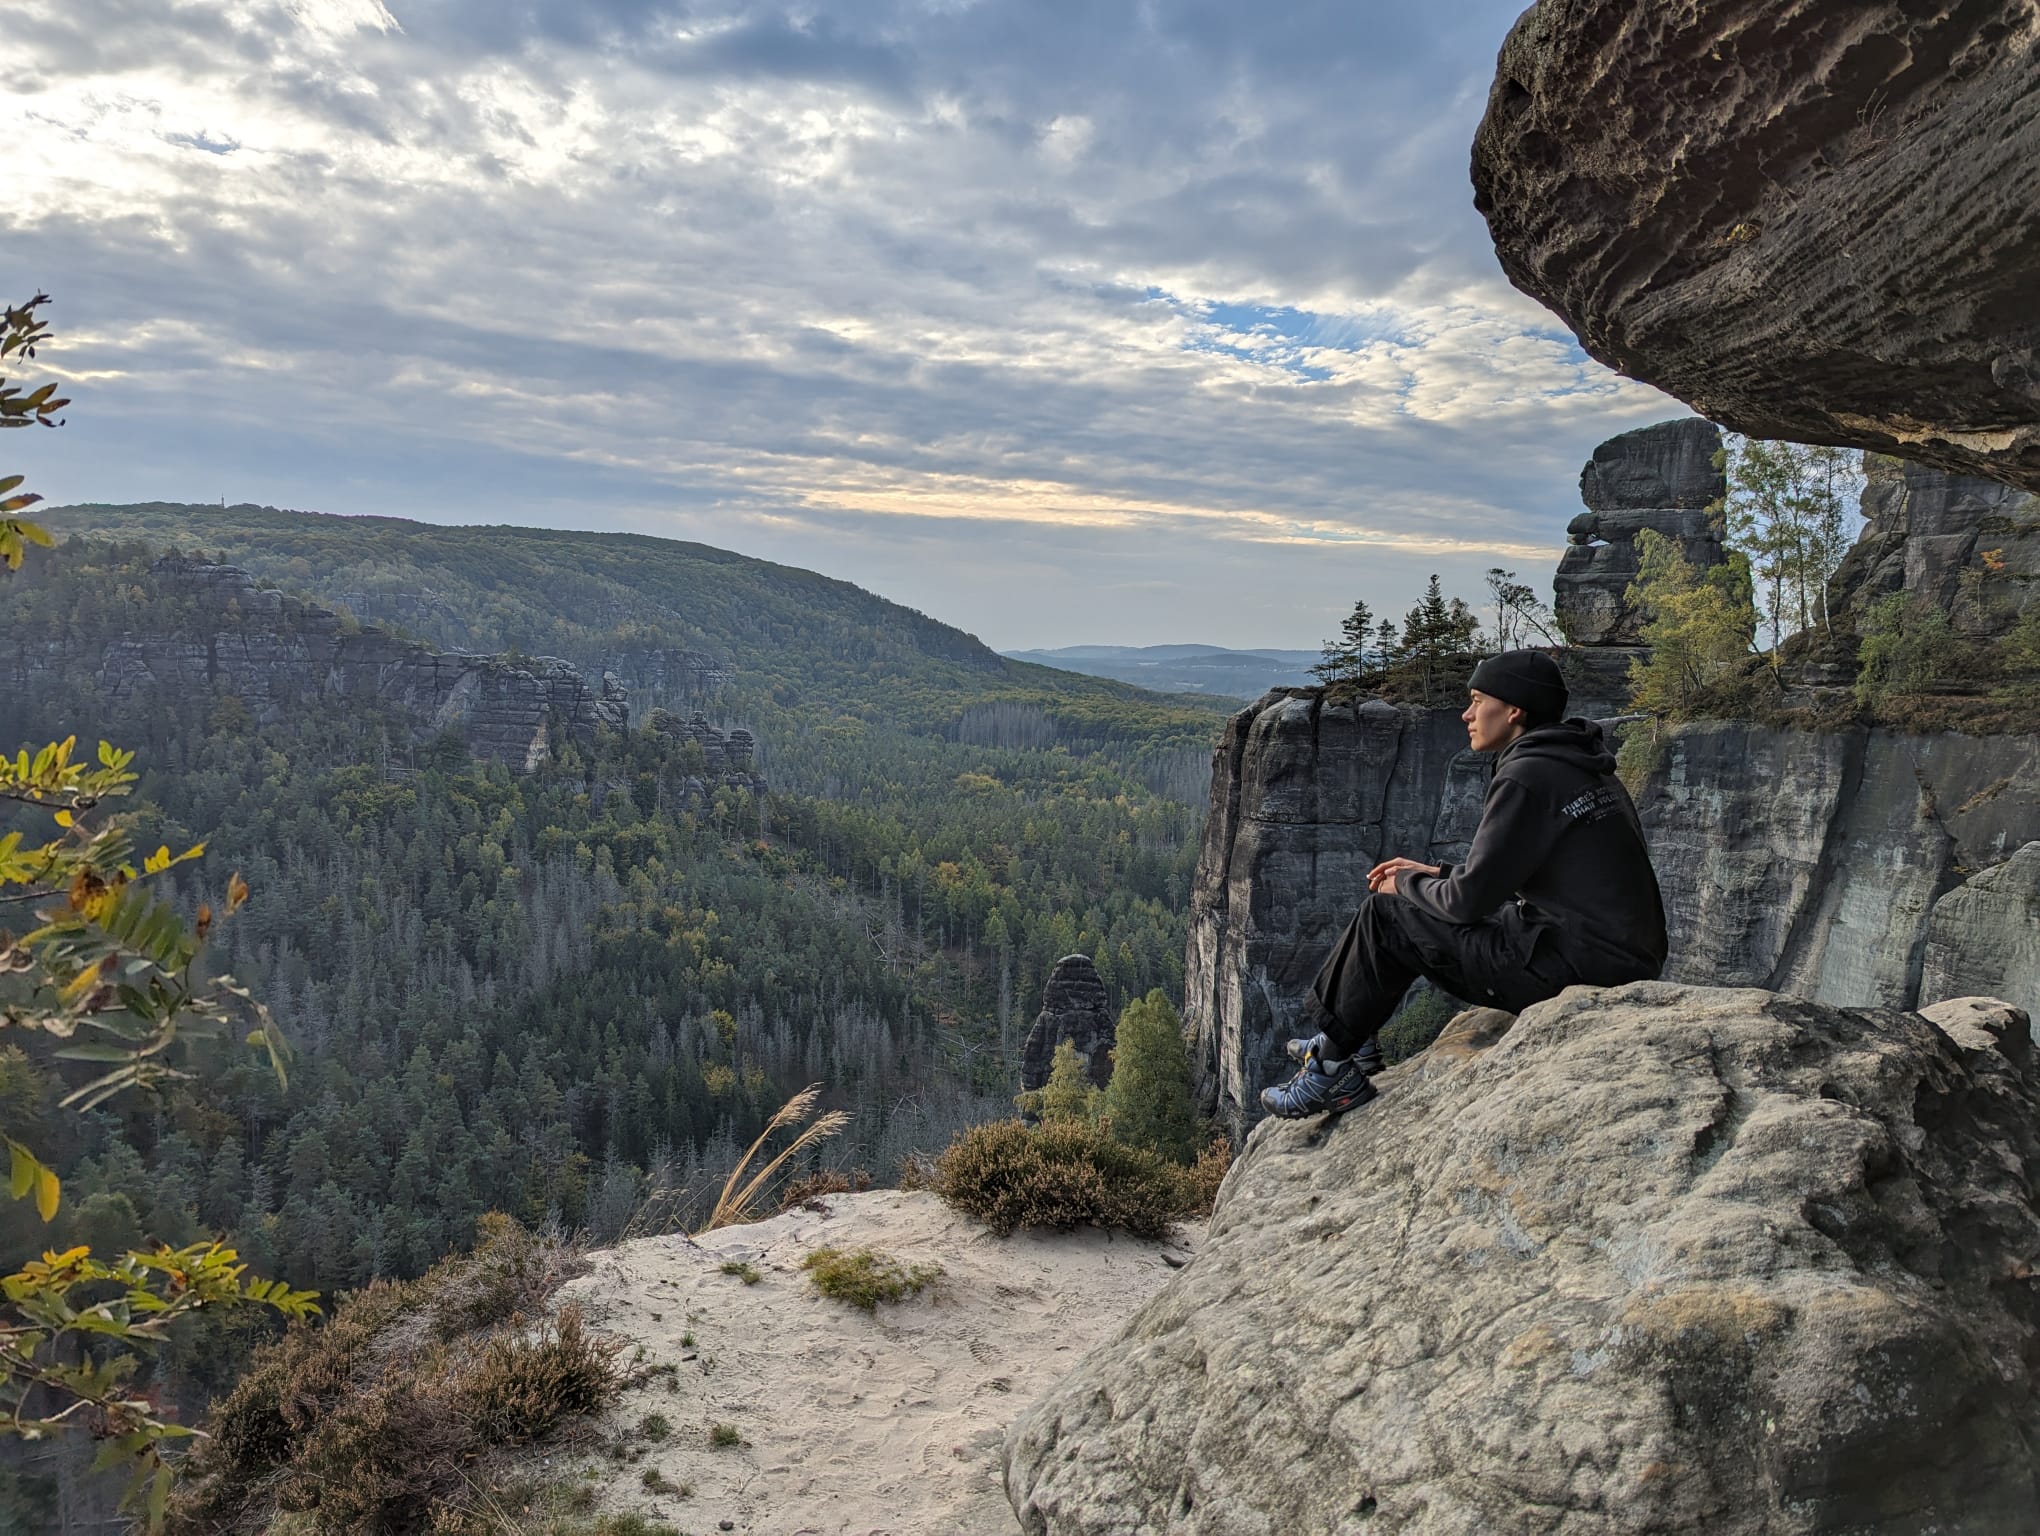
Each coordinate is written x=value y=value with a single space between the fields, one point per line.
x=237 y=892
x=65 y=819
x=47 y=1193
x=80 y=984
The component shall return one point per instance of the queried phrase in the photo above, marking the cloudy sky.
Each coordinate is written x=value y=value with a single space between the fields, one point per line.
x=1155 y=321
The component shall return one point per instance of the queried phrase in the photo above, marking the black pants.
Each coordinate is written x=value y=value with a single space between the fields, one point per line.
x=1500 y=962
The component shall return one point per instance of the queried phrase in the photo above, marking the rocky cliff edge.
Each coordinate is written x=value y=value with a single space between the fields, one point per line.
x=1656 y=1258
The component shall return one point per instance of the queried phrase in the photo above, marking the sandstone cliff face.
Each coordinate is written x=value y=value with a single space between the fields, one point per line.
x=1306 y=797
x=1659 y=1259
x=1810 y=862
x=271 y=650
x=1808 y=221
x=1985 y=934
x=1968 y=547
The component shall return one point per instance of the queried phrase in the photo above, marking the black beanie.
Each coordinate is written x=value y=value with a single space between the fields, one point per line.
x=1530 y=680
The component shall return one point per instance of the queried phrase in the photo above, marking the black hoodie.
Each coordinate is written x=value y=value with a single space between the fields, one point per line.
x=1559 y=831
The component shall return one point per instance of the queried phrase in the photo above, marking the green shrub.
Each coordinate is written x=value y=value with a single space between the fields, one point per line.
x=655 y=1426
x=866 y=1277
x=742 y=1270
x=1908 y=647
x=1424 y=1014
x=1148 y=1102
x=1065 y=1173
x=1069 y=1093
x=2019 y=649
x=723 y=1436
x=1640 y=752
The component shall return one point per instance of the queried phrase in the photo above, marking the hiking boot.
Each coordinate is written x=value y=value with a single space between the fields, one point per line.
x=1314 y=1091
x=1368 y=1057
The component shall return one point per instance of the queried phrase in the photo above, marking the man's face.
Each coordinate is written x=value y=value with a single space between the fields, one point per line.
x=1490 y=724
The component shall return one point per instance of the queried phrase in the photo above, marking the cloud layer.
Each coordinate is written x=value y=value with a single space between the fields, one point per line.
x=1060 y=321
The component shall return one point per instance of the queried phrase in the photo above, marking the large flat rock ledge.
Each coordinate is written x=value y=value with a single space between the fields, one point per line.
x=1653 y=1259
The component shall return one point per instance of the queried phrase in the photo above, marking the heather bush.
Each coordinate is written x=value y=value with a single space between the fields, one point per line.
x=826 y=1181
x=1199 y=1182
x=526 y=1384
x=376 y=1424
x=1065 y=1173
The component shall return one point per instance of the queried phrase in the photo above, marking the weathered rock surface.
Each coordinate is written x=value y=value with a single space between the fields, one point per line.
x=1662 y=1259
x=272 y=651
x=1811 y=862
x=1808 y=221
x=1306 y=797
x=1803 y=861
x=1985 y=935
x=1968 y=547
x=1074 y=1007
x=669 y=672
x=1660 y=477
x=723 y=751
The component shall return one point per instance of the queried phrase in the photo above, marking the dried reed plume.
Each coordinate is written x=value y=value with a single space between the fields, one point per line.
x=733 y=1205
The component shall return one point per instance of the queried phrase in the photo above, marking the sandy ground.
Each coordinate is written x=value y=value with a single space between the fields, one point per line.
x=852 y=1424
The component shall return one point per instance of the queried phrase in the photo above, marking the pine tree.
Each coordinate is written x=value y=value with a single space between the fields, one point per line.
x=1434 y=635
x=1387 y=648
x=1345 y=659
x=1148 y=1100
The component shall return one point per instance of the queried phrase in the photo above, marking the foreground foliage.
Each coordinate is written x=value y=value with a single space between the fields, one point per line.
x=108 y=974
x=384 y=1421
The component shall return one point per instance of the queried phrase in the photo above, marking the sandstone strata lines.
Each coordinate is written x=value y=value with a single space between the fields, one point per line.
x=1808 y=221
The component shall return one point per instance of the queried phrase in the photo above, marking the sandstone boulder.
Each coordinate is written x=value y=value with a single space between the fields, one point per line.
x=1806 y=220
x=1074 y=1007
x=1661 y=1259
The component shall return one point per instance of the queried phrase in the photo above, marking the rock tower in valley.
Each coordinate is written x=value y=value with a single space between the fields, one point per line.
x=1666 y=478
x=1074 y=1007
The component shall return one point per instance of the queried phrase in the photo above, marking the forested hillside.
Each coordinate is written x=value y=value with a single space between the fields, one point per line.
x=554 y=993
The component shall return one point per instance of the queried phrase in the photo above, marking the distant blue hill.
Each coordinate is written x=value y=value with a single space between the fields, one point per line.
x=1183 y=668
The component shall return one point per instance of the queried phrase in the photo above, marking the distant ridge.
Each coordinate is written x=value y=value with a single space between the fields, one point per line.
x=1211 y=669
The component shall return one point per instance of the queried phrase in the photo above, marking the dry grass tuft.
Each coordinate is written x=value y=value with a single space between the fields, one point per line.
x=734 y=1205
x=829 y=1181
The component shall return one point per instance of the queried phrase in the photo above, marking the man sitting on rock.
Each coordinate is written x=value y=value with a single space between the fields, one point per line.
x=1557 y=889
